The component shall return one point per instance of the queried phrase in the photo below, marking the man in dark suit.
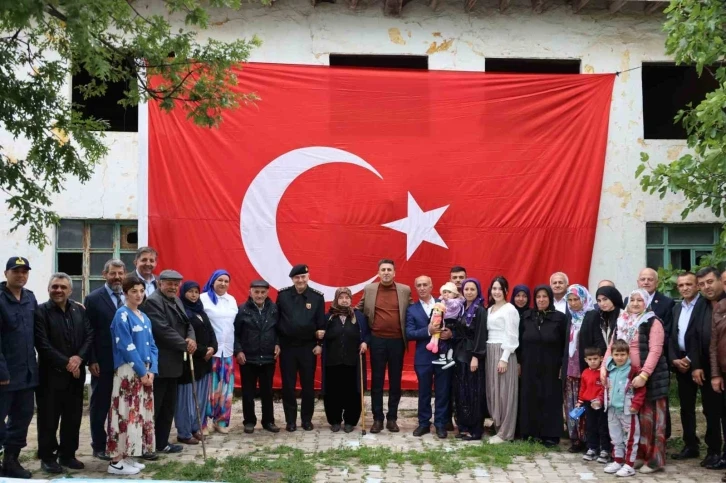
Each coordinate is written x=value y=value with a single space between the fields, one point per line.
x=418 y=328
x=63 y=338
x=685 y=355
x=174 y=335
x=712 y=290
x=101 y=306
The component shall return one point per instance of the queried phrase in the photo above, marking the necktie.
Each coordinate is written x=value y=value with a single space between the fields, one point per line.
x=119 y=302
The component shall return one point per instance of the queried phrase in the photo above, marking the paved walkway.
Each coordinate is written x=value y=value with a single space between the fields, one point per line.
x=550 y=467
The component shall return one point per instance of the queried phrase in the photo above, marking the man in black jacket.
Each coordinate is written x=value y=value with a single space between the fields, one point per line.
x=101 y=306
x=686 y=357
x=256 y=349
x=174 y=336
x=63 y=338
x=302 y=322
x=18 y=365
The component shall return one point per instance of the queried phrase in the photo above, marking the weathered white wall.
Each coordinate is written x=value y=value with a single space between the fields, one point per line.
x=295 y=32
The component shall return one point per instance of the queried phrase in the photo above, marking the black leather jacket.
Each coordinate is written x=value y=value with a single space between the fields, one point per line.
x=255 y=332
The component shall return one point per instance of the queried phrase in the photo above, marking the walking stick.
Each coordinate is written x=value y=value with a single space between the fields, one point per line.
x=362 y=397
x=196 y=404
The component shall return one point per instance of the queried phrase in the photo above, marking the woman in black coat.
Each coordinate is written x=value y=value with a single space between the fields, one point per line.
x=541 y=345
x=185 y=416
x=599 y=324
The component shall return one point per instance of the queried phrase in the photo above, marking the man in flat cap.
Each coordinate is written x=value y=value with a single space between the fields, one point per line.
x=174 y=335
x=301 y=329
x=18 y=366
x=256 y=348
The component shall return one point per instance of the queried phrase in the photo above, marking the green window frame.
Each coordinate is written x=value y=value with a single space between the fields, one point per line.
x=83 y=246
x=679 y=245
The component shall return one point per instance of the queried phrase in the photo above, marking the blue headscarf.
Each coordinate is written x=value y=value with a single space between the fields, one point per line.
x=209 y=286
x=190 y=307
x=517 y=289
x=476 y=303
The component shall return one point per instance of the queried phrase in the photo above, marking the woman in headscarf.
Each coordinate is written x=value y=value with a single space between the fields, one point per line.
x=470 y=342
x=185 y=417
x=501 y=361
x=579 y=301
x=221 y=308
x=541 y=343
x=644 y=333
x=599 y=324
x=346 y=338
x=521 y=299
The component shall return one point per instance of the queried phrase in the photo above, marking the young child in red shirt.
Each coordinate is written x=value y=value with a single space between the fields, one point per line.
x=592 y=397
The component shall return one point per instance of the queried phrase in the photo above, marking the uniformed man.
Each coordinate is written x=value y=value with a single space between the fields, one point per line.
x=18 y=366
x=301 y=329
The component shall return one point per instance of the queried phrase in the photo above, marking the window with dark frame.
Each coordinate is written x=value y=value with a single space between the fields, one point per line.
x=84 y=246
x=532 y=66
x=679 y=246
x=106 y=106
x=416 y=62
x=668 y=88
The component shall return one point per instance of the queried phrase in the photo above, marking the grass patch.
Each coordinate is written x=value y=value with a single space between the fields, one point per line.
x=291 y=465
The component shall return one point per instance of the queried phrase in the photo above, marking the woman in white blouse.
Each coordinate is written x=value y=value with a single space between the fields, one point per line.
x=501 y=361
x=221 y=308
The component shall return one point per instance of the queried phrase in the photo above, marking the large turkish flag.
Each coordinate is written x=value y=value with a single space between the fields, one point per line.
x=338 y=168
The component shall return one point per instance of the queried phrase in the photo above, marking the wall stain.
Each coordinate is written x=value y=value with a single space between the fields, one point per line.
x=619 y=191
x=588 y=69
x=437 y=34
x=435 y=47
x=642 y=142
x=221 y=22
x=625 y=65
x=473 y=49
x=638 y=213
x=674 y=152
x=395 y=35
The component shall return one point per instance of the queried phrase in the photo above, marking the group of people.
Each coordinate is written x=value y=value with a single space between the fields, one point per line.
x=162 y=352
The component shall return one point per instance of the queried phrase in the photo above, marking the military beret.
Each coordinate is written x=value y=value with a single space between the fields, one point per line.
x=170 y=275
x=299 y=269
x=259 y=284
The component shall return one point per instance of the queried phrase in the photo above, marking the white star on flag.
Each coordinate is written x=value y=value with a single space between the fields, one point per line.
x=419 y=226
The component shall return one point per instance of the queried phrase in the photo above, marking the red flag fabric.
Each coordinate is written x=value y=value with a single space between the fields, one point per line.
x=337 y=168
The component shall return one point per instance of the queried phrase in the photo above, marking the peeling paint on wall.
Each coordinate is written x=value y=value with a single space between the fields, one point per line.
x=624 y=66
x=618 y=190
x=674 y=152
x=395 y=35
x=443 y=47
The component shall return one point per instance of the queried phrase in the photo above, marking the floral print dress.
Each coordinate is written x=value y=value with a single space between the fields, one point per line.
x=131 y=417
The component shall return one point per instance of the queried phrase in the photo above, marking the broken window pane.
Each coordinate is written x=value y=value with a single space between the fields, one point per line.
x=70 y=263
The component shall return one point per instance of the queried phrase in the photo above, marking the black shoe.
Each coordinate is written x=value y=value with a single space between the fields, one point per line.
x=335 y=428
x=72 y=463
x=308 y=426
x=577 y=447
x=710 y=459
x=392 y=426
x=421 y=430
x=101 y=455
x=171 y=449
x=249 y=428
x=377 y=427
x=150 y=456
x=469 y=437
x=549 y=443
x=271 y=428
x=290 y=427
x=720 y=465
x=686 y=453
x=348 y=428
x=51 y=466
x=13 y=469
x=441 y=433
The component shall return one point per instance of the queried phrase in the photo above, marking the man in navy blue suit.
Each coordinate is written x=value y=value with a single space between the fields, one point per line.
x=418 y=317
x=101 y=306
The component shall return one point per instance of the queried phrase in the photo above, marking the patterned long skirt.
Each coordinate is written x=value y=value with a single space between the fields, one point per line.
x=220 y=396
x=576 y=428
x=471 y=398
x=130 y=426
x=652 y=449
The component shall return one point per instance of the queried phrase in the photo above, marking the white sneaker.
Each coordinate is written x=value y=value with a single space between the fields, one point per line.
x=590 y=455
x=132 y=462
x=440 y=361
x=613 y=467
x=495 y=440
x=647 y=469
x=626 y=470
x=122 y=468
